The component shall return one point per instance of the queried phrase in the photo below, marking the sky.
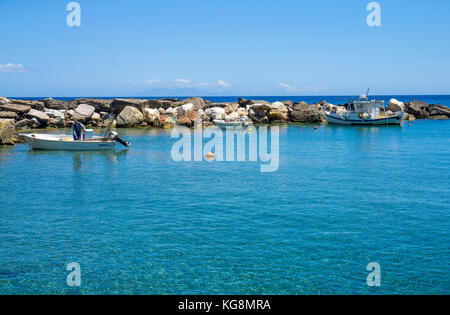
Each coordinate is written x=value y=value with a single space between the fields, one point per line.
x=223 y=48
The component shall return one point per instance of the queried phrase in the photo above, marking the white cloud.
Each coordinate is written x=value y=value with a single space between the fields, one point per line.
x=153 y=81
x=286 y=86
x=202 y=84
x=224 y=84
x=9 y=67
x=182 y=81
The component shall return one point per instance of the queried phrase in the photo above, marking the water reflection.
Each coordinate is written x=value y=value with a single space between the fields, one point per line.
x=79 y=158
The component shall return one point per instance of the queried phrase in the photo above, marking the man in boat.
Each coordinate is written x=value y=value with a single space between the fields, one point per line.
x=77 y=128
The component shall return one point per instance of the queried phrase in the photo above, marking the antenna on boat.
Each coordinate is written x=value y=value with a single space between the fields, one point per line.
x=367 y=94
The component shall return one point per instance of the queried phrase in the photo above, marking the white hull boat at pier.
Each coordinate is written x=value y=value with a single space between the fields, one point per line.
x=66 y=142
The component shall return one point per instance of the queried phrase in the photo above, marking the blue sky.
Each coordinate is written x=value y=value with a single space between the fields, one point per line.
x=223 y=47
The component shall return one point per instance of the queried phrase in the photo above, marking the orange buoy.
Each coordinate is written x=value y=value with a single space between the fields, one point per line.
x=316 y=128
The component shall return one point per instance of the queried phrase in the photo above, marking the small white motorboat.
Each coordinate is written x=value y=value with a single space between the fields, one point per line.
x=363 y=112
x=66 y=142
x=224 y=124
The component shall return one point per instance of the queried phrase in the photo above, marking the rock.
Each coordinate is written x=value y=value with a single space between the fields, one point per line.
x=411 y=117
x=7 y=131
x=289 y=104
x=418 y=108
x=4 y=100
x=118 y=105
x=33 y=104
x=259 y=115
x=57 y=104
x=96 y=118
x=242 y=111
x=100 y=105
x=277 y=115
x=35 y=123
x=23 y=124
x=215 y=113
x=230 y=108
x=184 y=109
x=261 y=105
x=83 y=112
x=8 y=115
x=171 y=111
x=19 y=109
x=130 y=117
x=162 y=103
x=40 y=116
x=306 y=114
x=244 y=103
x=167 y=122
x=405 y=117
x=151 y=116
x=441 y=117
x=280 y=107
x=162 y=111
x=188 y=119
x=233 y=116
x=395 y=106
x=440 y=111
x=197 y=102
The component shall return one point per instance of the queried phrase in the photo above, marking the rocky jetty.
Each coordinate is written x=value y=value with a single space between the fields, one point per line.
x=17 y=115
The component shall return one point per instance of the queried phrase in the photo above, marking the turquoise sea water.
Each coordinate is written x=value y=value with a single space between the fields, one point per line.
x=138 y=222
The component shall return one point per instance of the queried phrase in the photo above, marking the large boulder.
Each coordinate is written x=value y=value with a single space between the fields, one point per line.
x=19 y=109
x=306 y=114
x=39 y=105
x=277 y=115
x=418 y=108
x=184 y=109
x=167 y=122
x=395 y=106
x=83 y=112
x=261 y=105
x=42 y=117
x=118 y=105
x=161 y=103
x=8 y=115
x=259 y=114
x=100 y=105
x=232 y=107
x=151 y=116
x=279 y=106
x=188 y=119
x=232 y=116
x=215 y=113
x=4 y=100
x=7 y=131
x=130 y=117
x=197 y=103
x=58 y=104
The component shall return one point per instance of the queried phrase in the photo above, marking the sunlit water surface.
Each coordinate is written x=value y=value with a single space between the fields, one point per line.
x=139 y=223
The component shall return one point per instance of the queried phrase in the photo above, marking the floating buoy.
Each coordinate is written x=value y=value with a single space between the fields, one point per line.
x=316 y=128
x=210 y=156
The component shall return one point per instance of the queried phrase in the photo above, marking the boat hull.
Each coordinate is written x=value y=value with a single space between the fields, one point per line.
x=230 y=124
x=64 y=144
x=394 y=120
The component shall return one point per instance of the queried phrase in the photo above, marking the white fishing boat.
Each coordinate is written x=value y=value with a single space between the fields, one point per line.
x=363 y=112
x=67 y=143
x=224 y=124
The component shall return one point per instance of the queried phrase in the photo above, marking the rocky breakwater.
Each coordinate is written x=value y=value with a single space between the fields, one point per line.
x=19 y=115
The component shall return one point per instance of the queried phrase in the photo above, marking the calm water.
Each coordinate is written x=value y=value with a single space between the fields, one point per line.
x=138 y=222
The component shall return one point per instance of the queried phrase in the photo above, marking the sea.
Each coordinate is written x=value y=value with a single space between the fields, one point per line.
x=350 y=210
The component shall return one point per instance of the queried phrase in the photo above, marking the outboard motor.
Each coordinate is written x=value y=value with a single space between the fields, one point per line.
x=114 y=136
